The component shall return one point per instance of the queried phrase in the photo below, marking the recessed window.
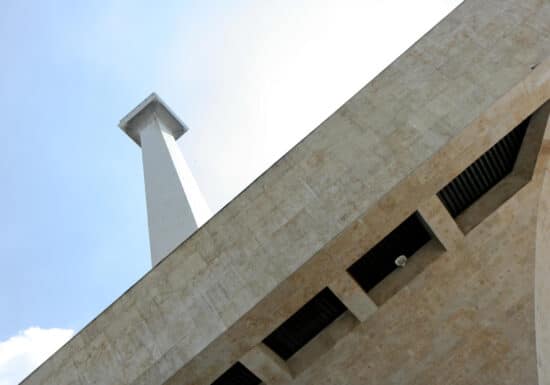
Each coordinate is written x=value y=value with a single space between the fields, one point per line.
x=238 y=374
x=484 y=173
x=380 y=261
x=305 y=324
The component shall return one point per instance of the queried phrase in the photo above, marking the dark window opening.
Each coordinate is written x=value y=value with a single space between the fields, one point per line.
x=379 y=262
x=484 y=173
x=238 y=374
x=305 y=324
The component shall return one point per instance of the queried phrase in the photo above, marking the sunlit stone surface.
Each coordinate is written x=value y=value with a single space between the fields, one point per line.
x=471 y=306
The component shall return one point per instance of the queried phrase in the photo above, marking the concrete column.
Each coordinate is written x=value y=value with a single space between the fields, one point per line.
x=353 y=296
x=175 y=205
x=442 y=224
x=268 y=366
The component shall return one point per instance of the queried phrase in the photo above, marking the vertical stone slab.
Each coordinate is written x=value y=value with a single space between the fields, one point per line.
x=353 y=296
x=265 y=364
x=441 y=223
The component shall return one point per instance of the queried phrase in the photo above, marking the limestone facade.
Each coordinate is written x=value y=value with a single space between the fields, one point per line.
x=471 y=306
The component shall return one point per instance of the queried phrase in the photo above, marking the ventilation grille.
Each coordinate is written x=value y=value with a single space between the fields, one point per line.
x=305 y=324
x=379 y=261
x=484 y=173
x=238 y=374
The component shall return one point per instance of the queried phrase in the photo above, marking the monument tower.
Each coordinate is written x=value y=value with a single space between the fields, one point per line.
x=442 y=161
x=175 y=205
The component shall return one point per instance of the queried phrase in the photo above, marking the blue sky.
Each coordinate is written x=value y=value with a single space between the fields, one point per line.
x=249 y=78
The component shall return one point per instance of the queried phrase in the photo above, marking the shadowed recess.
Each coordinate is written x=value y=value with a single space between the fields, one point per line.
x=489 y=169
x=305 y=324
x=238 y=374
x=379 y=262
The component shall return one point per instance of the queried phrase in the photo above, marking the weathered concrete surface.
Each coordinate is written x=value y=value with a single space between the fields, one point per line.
x=300 y=225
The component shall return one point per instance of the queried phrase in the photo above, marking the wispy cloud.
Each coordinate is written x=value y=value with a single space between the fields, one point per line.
x=21 y=354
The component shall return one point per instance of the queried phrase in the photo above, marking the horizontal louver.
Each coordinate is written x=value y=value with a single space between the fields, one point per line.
x=484 y=173
x=305 y=324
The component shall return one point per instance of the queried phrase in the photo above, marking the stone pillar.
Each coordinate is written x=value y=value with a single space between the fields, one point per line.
x=175 y=205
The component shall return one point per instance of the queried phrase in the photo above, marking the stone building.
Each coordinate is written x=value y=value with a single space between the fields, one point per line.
x=406 y=240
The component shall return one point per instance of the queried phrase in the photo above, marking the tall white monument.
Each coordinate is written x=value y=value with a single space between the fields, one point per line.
x=175 y=205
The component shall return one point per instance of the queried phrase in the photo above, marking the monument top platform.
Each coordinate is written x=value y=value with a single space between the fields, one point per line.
x=153 y=107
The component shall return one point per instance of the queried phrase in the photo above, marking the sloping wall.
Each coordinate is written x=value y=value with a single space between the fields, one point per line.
x=296 y=229
x=468 y=318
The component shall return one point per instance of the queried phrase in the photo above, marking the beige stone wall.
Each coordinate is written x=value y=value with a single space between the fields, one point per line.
x=295 y=230
x=542 y=261
x=467 y=318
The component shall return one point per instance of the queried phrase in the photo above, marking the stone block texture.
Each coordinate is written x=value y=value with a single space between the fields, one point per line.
x=473 y=312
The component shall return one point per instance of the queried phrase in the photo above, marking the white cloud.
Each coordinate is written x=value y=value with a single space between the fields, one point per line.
x=21 y=354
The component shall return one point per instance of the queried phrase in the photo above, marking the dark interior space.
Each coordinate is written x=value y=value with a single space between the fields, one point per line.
x=305 y=324
x=379 y=261
x=238 y=374
x=484 y=173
